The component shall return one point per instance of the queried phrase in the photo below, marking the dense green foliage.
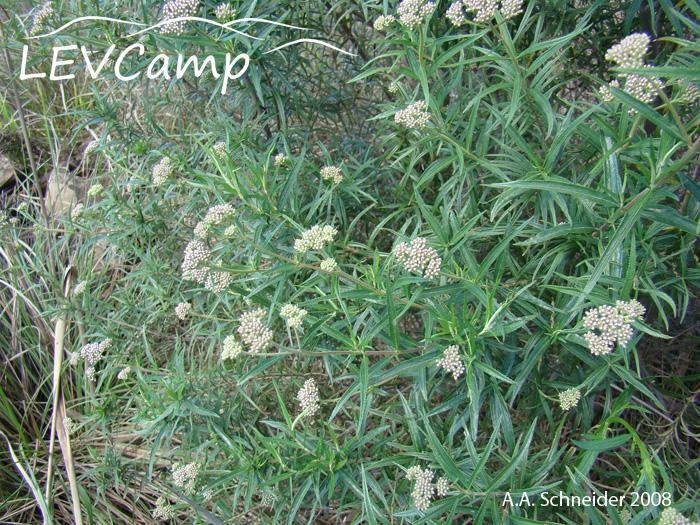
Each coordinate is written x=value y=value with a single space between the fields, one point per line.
x=541 y=200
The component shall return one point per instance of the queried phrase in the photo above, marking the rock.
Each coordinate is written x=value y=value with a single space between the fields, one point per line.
x=7 y=171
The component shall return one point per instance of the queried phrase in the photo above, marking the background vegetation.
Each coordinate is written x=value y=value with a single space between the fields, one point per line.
x=542 y=200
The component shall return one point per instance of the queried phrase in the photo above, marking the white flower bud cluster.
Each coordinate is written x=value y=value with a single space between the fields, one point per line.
x=671 y=516
x=442 y=487
x=124 y=373
x=485 y=9
x=95 y=190
x=77 y=211
x=329 y=265
x=614 y=324
x=455 y=14
x=232 y=348
x=161 y=171
x=332 y=173
x=569 y=399
x=267 y=499
x=185 y=476
x=308 y=398
x=224 y=12
x=628 y=54
x=216 y=214
x=606 y=93
x=414 y=116
x=177 y=9
x=630 y=51
x=80 y=288
x=690 y=93
x=280 y=159
x=44 y=12
x=196 y=253
x=383 y=22
x=423 y=489
x=393 y=88
x=201 y=230
x=217 y=282
x=182 y=310
x=511 y=8
x=451 y=361
x=416 y=257
x=219 y=148
x=413 y=12
x=92 y=353
x=163 y=511
x=254 y=333
x=293 y=315
x=315 y=238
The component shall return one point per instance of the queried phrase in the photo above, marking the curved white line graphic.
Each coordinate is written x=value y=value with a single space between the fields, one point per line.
x=239 y=20
x=198 y=19
x=191 y=18
x=313 y=41
x=83 y=18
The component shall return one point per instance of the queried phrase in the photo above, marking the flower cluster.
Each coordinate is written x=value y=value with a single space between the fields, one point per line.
x=77 y=211
x=423 y=489
x=217 y=282
x=95 y=190
x=92 y=353
x=416 y=257
x=511 y=8
x=182 y=310
x=163 y=511
x=44 y=12
x=161 y=171
x=254 y=333
x=393 y=88
x=451 y=361
x=629 y=53
x=216 y=214
x=308 y=398
x=671 y=516
x=281 y=159
x=413 y=12
x=224 y=12
x=331 y=173
x=315 y=238
x=329 y=265
x=124 y=373
x=196 y=254
x=690 y=93
x=293 y=315
x=442 y=487
x=383 y=22
x=455 y=14
x=485 y=10
x=414 y=116
x=80 y=288
x=569 y=399
x=232 y=348
x=219 y=148
x=185 y=476
x=267 y=499
x=614 y=324
x=177 y=9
